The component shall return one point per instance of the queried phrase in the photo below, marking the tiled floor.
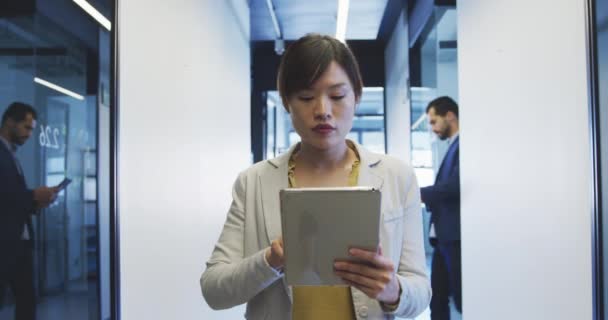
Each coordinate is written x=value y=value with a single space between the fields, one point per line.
x=74 y=305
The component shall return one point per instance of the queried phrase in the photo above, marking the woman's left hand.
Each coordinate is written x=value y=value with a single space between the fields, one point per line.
x=374 y=275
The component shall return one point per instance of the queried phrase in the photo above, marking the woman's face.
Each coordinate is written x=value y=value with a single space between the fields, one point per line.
x=323 y=114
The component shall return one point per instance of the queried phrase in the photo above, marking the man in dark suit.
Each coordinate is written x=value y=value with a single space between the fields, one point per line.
x=443 y=201
x=17 y=204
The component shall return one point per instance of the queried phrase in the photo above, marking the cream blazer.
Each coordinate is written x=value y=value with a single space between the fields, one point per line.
x=238 y=273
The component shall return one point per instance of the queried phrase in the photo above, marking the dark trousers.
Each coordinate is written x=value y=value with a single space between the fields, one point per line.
x=445 y=279
x=21 y=282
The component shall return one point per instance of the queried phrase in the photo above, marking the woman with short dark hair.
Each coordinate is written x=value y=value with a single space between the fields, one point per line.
x=320 y=85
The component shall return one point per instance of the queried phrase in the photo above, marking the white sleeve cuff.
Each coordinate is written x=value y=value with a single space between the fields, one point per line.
x=403 y=297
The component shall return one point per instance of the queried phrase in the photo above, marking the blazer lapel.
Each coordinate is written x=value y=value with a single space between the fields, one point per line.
x=12 y=161
x=369 y=175
x=447 y=160
x=273 y=180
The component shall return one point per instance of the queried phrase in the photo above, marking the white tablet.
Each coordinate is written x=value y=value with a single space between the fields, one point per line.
x=320 y=225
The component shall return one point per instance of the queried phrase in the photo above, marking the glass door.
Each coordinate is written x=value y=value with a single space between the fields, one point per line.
x=56 y=57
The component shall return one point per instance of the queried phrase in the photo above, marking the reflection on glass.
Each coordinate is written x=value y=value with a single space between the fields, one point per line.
x=368 y=125
x=56 y=58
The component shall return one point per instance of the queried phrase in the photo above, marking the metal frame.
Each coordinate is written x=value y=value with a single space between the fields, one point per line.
x=114 y=172
x=596 y=187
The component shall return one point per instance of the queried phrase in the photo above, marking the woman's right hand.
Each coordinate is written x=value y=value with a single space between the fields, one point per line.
x=274 y=254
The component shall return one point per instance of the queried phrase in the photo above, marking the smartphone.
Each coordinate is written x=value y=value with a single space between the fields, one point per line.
x=64 y=184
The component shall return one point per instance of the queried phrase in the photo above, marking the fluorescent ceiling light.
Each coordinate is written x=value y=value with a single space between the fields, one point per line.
x=342 y=19
x=58 y=88
x=273 y=17
x=420 y=89
x=94 y=13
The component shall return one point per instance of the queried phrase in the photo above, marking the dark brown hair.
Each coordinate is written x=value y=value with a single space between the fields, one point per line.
x=18 y=111
x=442 y=105
x=306 y=59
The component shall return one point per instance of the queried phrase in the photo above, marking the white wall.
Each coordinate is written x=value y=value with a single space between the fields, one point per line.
x=184 y=135
x=398 y=114
x=524 y=160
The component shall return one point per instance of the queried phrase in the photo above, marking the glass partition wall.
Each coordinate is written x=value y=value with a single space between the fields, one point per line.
x=56 y=57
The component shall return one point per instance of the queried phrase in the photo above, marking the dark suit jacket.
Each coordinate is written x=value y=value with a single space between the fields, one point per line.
x=443 y=198
x=16 y=208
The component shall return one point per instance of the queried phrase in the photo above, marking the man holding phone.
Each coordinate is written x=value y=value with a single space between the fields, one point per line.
x=17 y=205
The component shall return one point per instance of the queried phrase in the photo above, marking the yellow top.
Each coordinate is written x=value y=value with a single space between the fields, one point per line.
x=323 y=302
